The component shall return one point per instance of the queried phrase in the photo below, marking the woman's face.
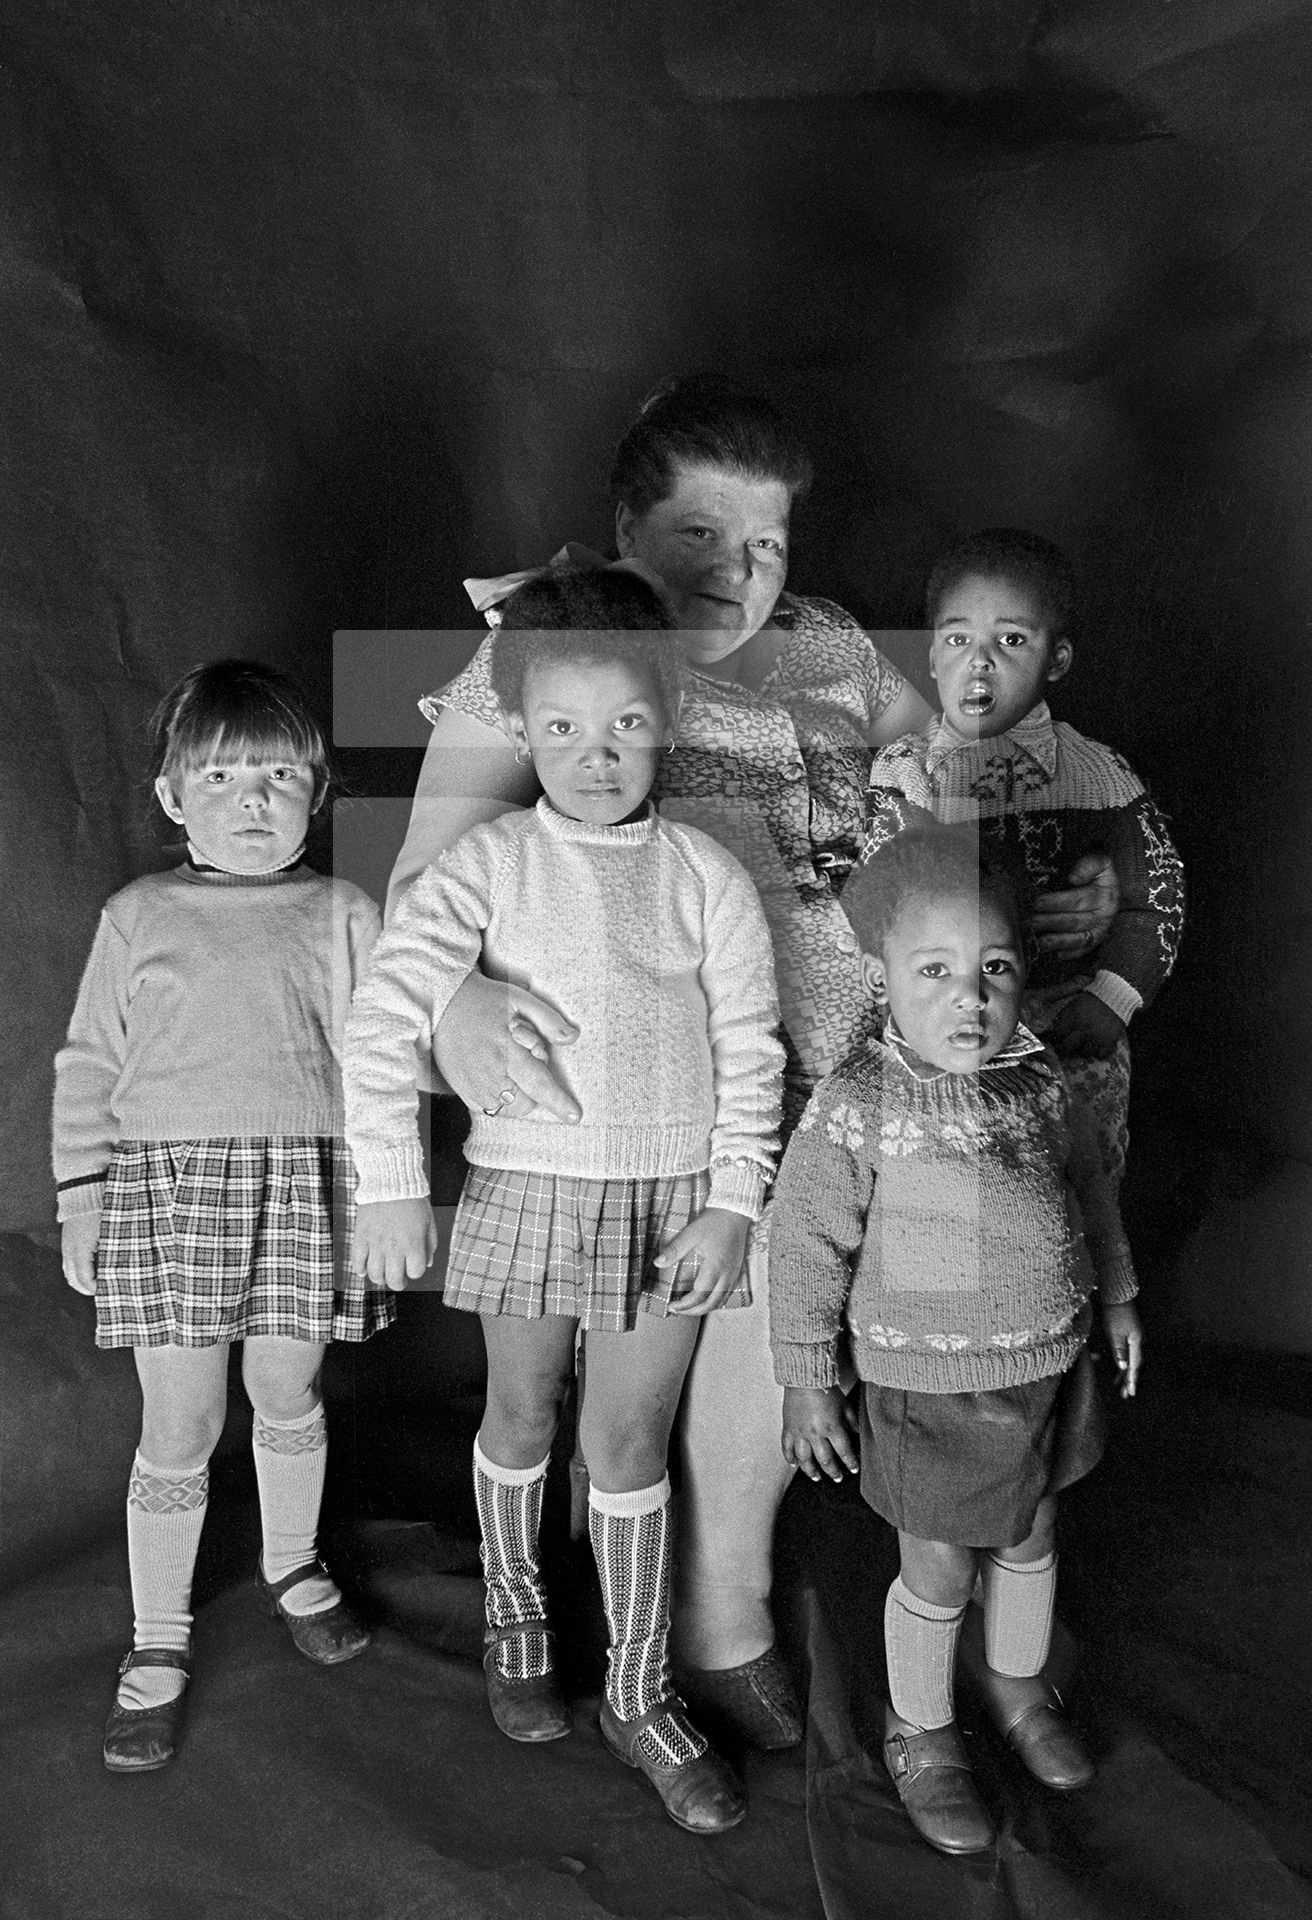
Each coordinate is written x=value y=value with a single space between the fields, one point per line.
x=718 y=545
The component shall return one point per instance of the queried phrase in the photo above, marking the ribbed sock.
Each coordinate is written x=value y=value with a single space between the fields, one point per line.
x=921 y=1641
x=291 y=1458
x=631 y=1544
x=509 y=1517
x=1019 y=1598
x=166 y=1511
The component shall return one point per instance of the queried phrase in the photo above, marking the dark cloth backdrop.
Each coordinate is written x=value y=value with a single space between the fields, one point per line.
x=310 y=309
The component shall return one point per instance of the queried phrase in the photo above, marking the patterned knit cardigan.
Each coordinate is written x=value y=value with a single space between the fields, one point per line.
x=928 y=1212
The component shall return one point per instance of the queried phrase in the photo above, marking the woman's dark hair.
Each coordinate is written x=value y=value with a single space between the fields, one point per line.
x=704 y=422
x=1027 y=558
x=602 y=615
x=239 y=709
x=926 y=862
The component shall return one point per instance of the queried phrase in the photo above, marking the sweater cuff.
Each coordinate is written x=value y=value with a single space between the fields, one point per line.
x=804 y=1364
x=1116 y=993
x=83 y=1197
x=739 y=1186
x=389 y=1173
x=1117 y=1282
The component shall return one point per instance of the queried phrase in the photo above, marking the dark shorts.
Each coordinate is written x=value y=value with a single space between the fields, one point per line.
x=970 y=1469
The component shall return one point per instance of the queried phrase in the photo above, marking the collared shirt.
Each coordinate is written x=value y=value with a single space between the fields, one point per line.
x=1021 y=1043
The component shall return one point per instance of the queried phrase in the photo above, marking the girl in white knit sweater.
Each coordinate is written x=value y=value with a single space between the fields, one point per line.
x=630 y=1223
x=203 y=1181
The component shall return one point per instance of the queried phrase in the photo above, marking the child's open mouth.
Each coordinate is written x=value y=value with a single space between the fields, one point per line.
x=977 y=700
x=968 y=1039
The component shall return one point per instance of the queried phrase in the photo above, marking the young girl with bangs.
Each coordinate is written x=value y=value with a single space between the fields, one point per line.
x=204 y=1186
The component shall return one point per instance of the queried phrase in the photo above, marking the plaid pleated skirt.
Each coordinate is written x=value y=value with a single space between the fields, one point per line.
x=532 y=1244
x=203 y=1242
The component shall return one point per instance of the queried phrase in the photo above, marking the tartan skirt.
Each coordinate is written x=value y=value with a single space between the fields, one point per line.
x=532 y=1244
x=203 y=1242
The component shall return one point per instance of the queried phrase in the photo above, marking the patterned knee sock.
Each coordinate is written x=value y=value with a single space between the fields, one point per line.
x=166 y=1511
x=631 y=1543
x=1018 y=1603
x=509 y=1515
x=921 y=1642
x=291 y=1458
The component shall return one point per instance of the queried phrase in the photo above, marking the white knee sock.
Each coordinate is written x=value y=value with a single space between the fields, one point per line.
x=291 y=1458
x=166 y=1511
x=509 y=1517
x=921 y=1642
x=1018 y=1603
x=631 y=1544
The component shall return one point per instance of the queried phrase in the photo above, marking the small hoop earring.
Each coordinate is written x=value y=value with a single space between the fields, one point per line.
x=524 y=758
x=670 y=748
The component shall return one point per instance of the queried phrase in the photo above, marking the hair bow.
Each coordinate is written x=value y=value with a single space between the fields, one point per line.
x=487 y=595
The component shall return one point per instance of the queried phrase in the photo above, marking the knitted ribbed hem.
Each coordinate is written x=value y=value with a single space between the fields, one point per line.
x=805 y=1364
x=738 y=1188
x=210 y=1121
x=389 y=1172
x=587 y=833
x=76 y=1202
x=588 y=1153
x=1117 y=1282
x=627 y=1506
x=972 y=1370
x=509 y=1476
x=1116 y=993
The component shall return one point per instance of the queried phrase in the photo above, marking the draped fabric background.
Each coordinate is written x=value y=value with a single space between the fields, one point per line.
x=309 y=309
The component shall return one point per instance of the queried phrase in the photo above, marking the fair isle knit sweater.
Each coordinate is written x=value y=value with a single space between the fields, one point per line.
x=650 y=939
x=1052 y=795
x=212 y=1007
x=927 y=1212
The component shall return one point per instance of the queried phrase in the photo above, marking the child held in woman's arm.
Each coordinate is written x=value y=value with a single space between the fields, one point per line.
x=630 y=1224
x=1002 y=607
x=204 y=1188
x=924 y=1207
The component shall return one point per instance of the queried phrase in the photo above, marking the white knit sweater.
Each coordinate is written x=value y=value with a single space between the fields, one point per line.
x=648 y=937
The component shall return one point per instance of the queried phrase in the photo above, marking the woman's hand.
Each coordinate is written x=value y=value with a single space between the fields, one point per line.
x=394 y=1241
x=492 y=1039
x=1077 y=920
x=1086 y=1029
x=716 y=1240
x=818 y=1429
x=78 y=1239
x=1125 y=1340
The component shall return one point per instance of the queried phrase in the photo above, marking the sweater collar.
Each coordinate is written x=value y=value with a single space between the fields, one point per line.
x=202 y=875
x=629 y=833
x=1034 y=736
x=1021 y=1044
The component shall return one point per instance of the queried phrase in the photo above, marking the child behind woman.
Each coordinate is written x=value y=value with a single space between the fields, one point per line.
x=922 y=1206
x=203 y=1183
x=1002 y=608
x=633 y=1222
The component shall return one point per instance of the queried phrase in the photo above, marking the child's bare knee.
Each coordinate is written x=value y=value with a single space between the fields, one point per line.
x=178 y=1437
x=937 y=1571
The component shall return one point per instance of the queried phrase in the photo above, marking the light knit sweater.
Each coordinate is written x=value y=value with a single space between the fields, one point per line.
x=212 y=1007
x=650 y=939
x=928 y=1213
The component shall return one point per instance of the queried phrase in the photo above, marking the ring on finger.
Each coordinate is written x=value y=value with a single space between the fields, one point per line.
x=506 y=1098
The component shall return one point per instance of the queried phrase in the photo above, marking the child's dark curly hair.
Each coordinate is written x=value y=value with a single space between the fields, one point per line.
x=602 y=615
x=926 y=862
x=1014 y=554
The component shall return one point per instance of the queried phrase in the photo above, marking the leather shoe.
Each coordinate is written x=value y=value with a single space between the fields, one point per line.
x=754 y=1703
x=1028 y=1714
x=142 y=1739
x=531 y=1709
x=701 y=1796
x=327 y=1638
x=932 y=1776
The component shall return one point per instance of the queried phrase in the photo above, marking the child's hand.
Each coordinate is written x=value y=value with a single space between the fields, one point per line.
x=395 y=1241
x=818 y=1429
x=716 y=1240
x=1086 y=1029
x=78 y=1239
x=1125 y=1339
